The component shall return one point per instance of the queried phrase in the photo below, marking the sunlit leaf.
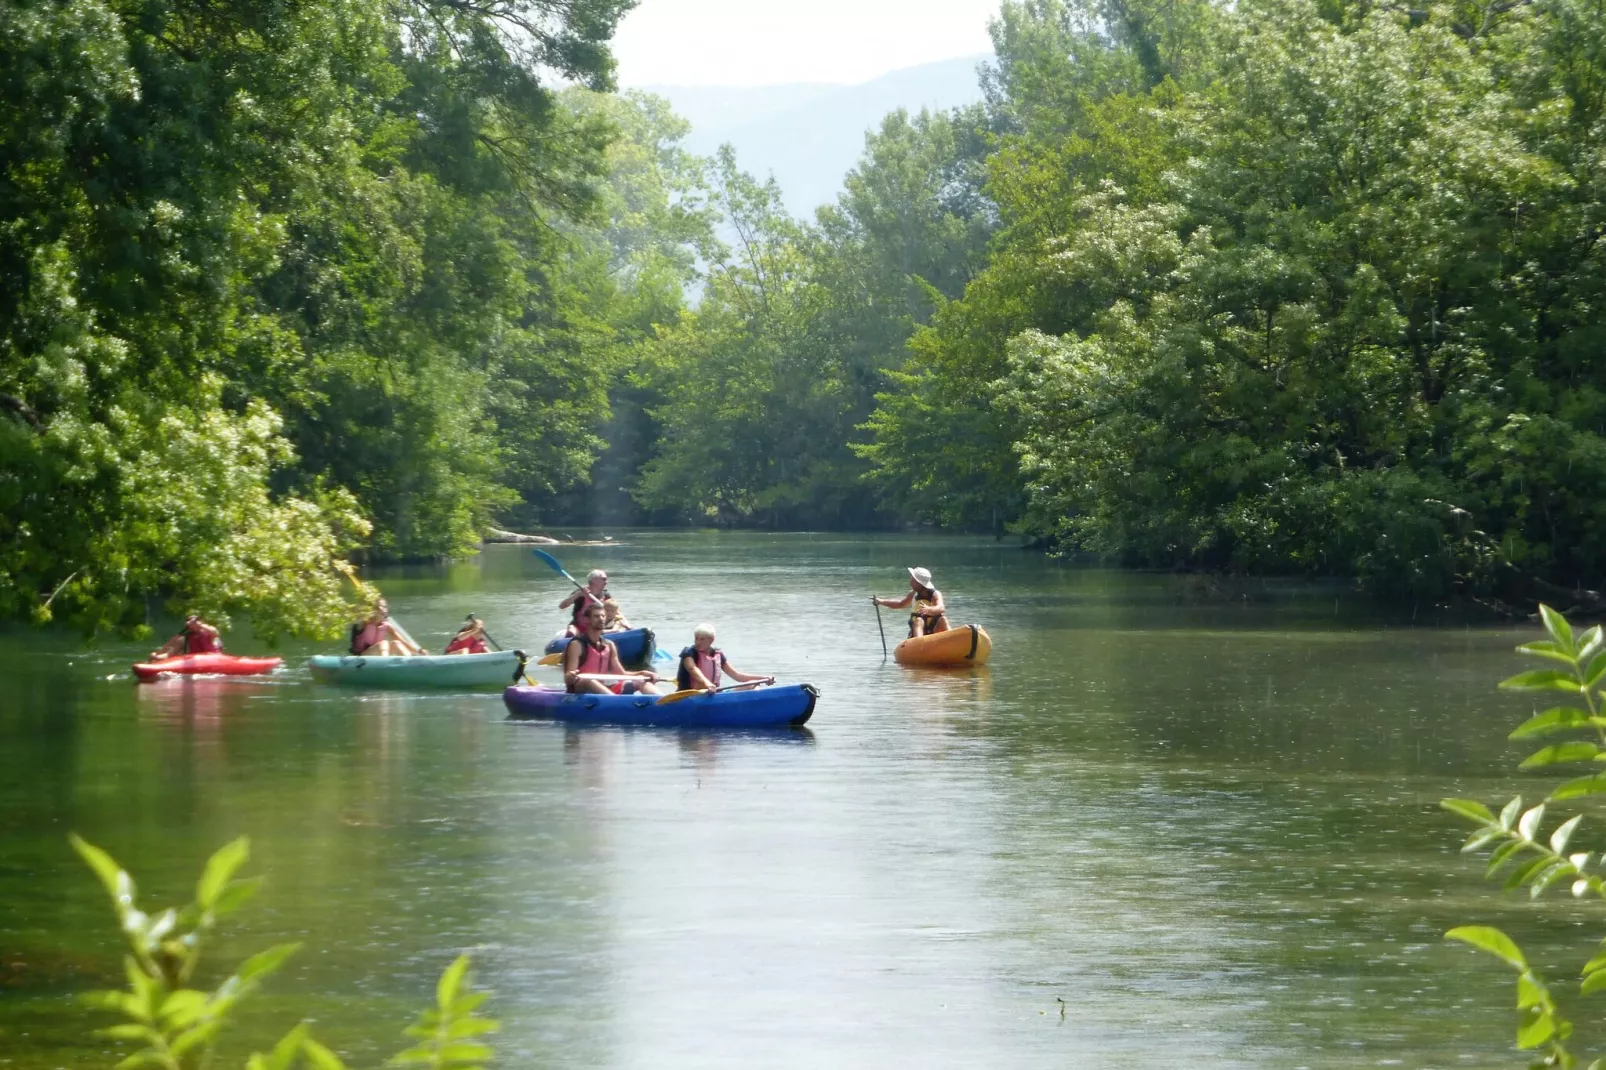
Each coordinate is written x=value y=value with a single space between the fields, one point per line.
x=451 y=979
x=1555 y=719
x=1593 y=784
x=265 y=962
x=1544 y=648
x=1557 y=753
x=1526 y=872
x=1541 y=680
x=1468 y=808
x=236 y=895
x=220 y=869
x=1557 y=626
x=110 y=873
x=1563 y=833
x=1528 y=826
x=1537 y=1027
x=1487 y=938
x=1502 y=854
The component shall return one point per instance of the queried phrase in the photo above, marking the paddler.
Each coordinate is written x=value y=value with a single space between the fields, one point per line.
x=590 y=653
x=930 y=615
x=470 y=639
x=197 y=637
x=615 y=620
x=702 y=662
x=594 y=593
x=376 y=636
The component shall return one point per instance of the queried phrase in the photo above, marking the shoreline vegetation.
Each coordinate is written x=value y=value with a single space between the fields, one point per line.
x=1286 y=287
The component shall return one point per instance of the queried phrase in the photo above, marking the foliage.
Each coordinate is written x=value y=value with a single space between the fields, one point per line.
x=1281 y=286
x=175 y=1025
x=1529 y=857
x=281 y=282
x=762 y=386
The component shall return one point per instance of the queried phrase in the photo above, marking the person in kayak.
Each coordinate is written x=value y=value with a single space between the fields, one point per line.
x=590 y=653
x=470 y=639
x=615 y=620
x=595 y=593
x=197 y=637
x=702 y=662
x=378 y=637
x=930 y=615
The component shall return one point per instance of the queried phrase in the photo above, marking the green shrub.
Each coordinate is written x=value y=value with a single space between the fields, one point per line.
x=175 y=1024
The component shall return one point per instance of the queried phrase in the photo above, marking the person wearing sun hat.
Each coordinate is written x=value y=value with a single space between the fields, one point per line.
x=930 y=615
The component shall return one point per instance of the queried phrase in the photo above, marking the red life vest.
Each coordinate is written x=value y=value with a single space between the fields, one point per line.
x=583 y=603
x=199 y=642
x=469 y=644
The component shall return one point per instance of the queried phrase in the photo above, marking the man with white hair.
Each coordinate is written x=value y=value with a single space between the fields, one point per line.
x=930 y=615
x=594 y=593
x=702 y=662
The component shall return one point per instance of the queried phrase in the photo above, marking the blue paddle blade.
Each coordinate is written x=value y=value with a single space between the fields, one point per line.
x=662 y=655
x=551 y=561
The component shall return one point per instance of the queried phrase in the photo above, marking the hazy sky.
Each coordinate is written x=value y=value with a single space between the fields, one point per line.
x=768 y=42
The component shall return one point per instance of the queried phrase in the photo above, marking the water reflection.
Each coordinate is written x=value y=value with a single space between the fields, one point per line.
x=1203 y=819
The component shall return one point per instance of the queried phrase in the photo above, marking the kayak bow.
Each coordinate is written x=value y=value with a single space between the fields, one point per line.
x=969 y=644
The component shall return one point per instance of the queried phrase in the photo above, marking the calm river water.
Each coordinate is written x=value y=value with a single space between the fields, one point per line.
x=1165 y=827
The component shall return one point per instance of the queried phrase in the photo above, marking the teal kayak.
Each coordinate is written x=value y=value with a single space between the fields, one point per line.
x=496 y=669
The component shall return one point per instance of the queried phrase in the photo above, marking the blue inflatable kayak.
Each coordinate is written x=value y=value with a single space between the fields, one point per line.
x=786 y=706
x=635 y=646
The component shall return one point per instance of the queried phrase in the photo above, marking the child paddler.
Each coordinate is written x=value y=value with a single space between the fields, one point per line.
x=702 y=662
x=930 y=615
x=592 y=653
x=470 y=639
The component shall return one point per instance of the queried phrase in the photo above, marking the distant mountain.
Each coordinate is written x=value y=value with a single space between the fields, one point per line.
x=806 y=134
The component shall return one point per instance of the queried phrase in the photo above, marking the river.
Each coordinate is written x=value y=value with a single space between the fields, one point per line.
x=1173 y=823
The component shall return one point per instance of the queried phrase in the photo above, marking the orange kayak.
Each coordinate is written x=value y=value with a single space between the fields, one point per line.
x=967 y=644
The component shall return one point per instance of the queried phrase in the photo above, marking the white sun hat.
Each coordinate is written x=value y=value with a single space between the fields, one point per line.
x=921 y=576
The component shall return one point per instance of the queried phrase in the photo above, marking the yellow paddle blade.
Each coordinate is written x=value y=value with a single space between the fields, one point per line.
x=551 y=659
x=676 y=696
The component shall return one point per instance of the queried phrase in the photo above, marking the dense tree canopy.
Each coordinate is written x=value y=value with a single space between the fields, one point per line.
x=1282 y=285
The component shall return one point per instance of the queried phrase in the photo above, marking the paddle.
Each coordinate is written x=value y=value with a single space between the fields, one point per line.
x=879 y=626
x=552 y=563
x=681 y=696
x=395 y=624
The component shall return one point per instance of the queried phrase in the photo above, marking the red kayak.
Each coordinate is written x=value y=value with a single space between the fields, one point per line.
x=198 y=664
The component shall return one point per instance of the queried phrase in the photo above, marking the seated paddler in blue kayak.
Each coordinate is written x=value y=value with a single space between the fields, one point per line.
x=592 y=654
x=929 y=615
x=702 y=663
